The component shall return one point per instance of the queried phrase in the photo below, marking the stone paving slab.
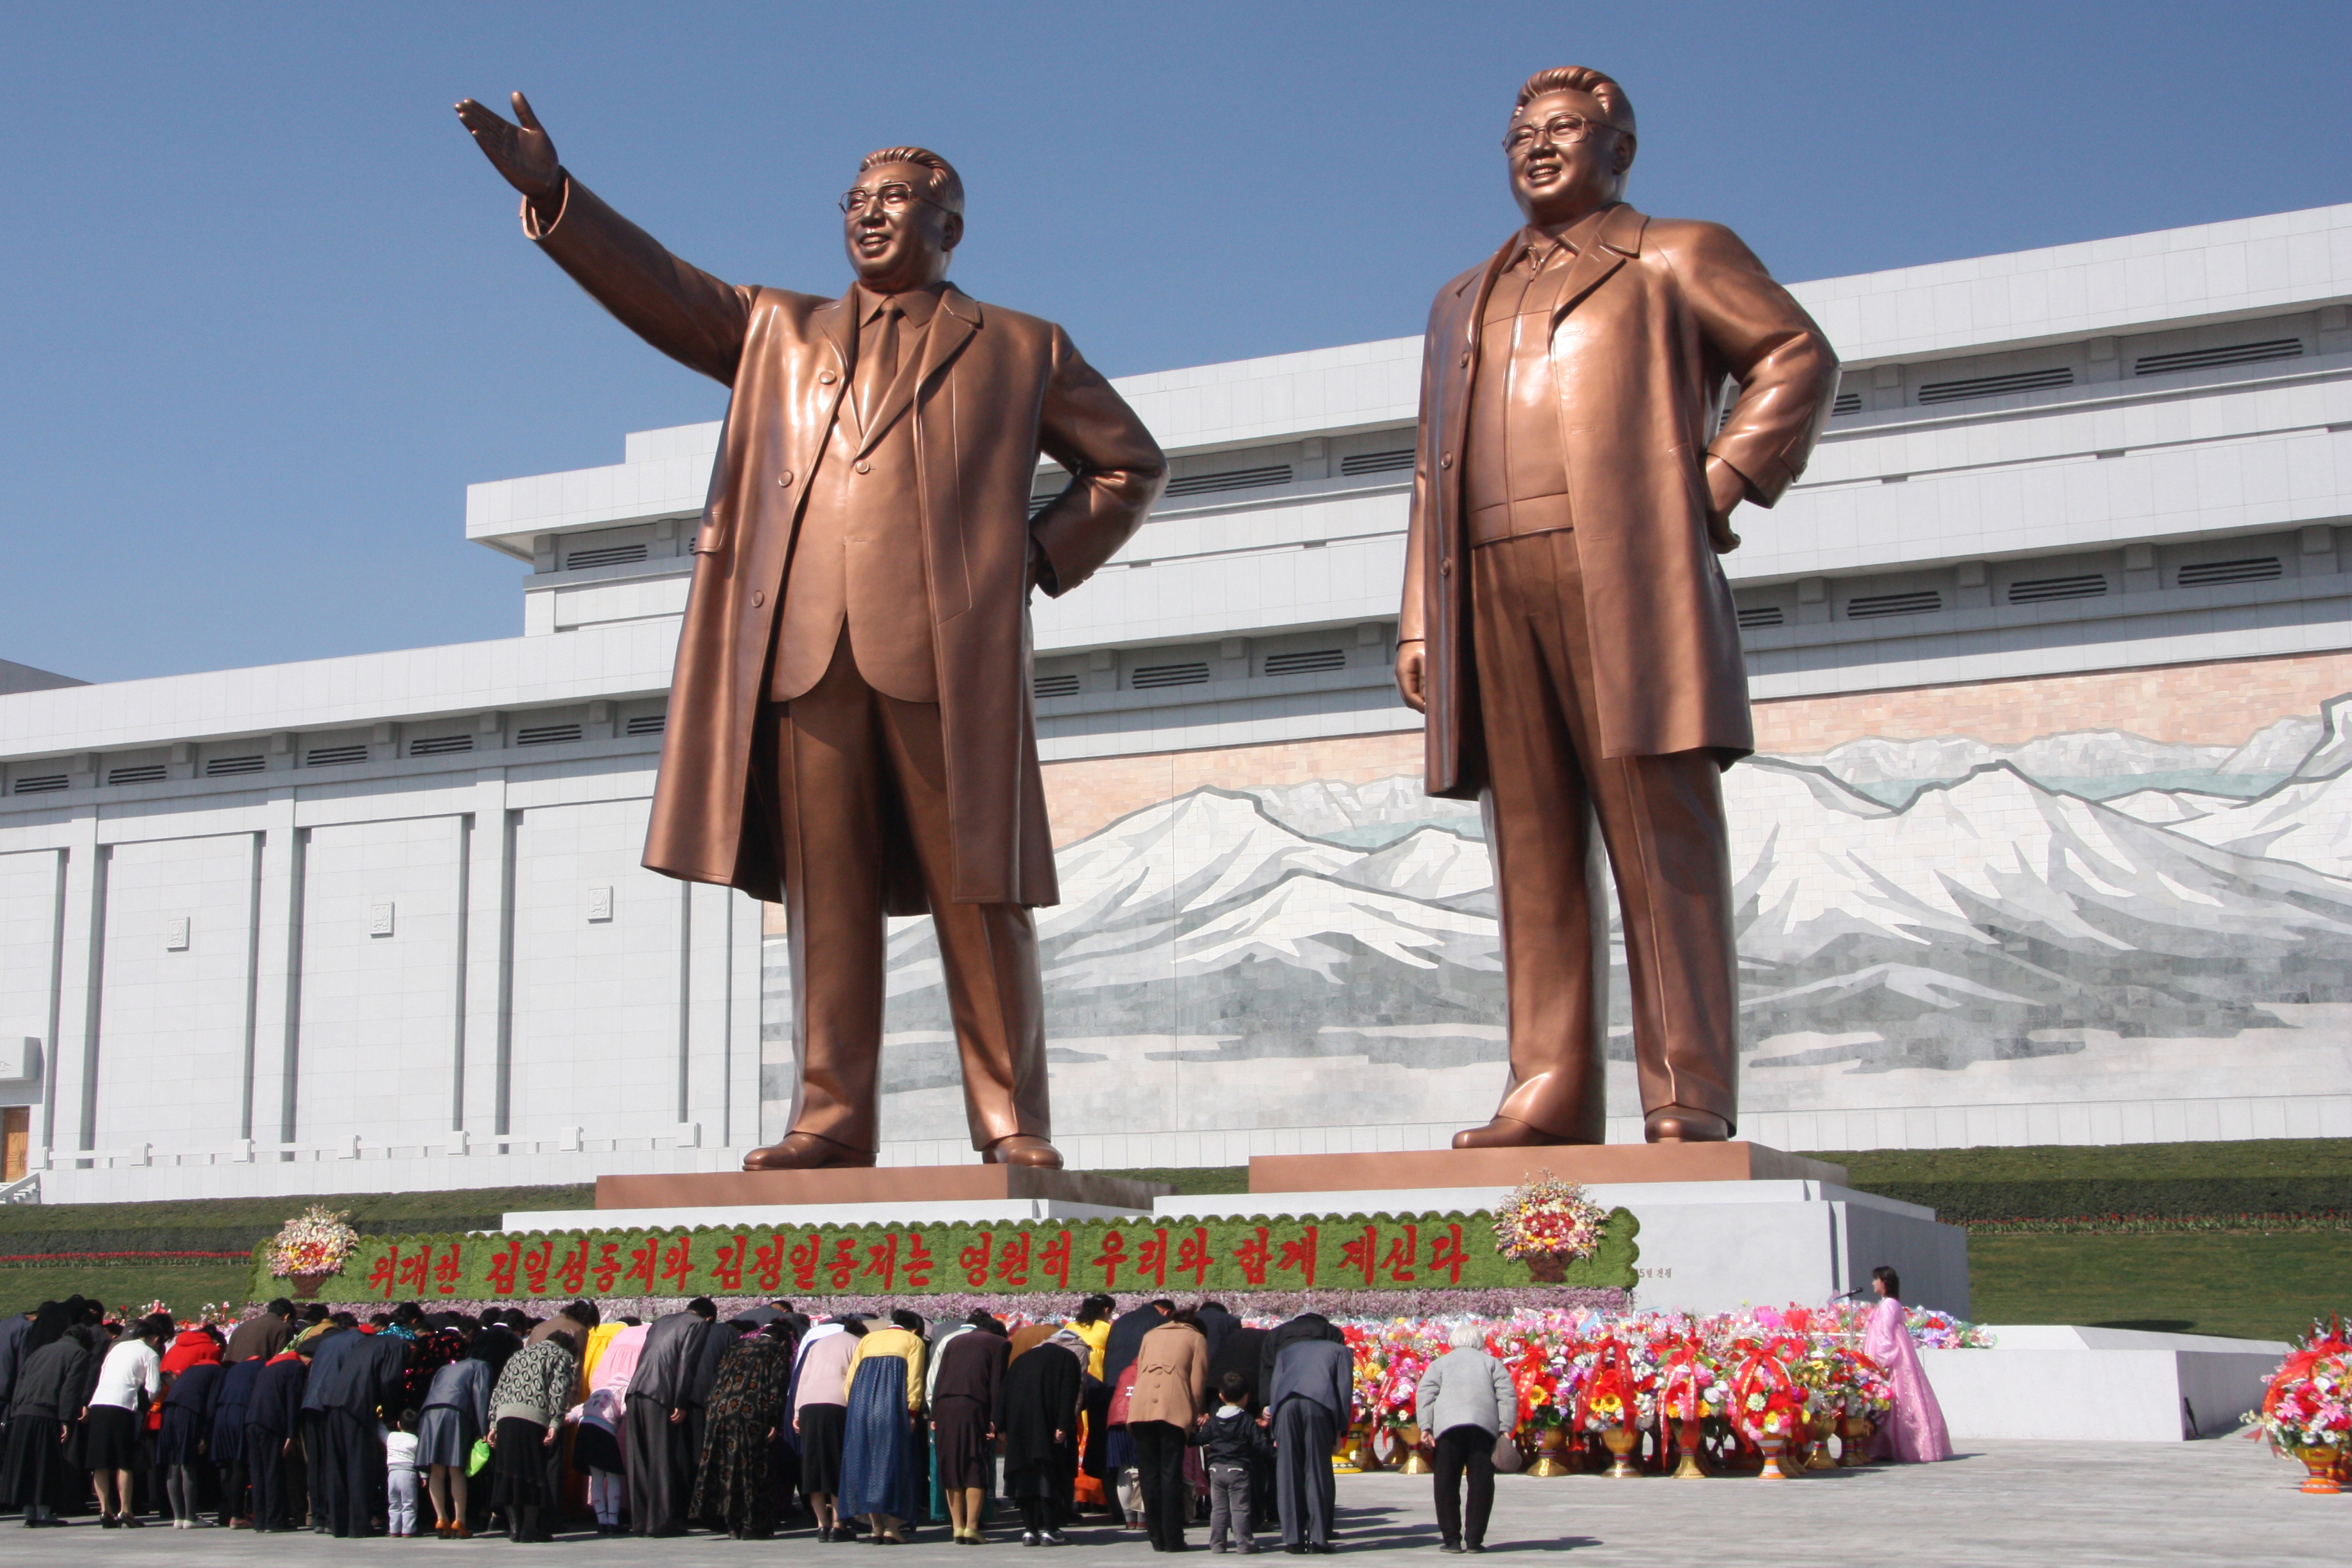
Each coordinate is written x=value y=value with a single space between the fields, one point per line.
x=2223 y=1501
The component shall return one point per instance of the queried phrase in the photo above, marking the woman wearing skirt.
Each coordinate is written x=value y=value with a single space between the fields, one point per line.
x=456 y=1416
x=735 y=1489
x=526 y=1413
x=877 y=1469
x=820 y=1417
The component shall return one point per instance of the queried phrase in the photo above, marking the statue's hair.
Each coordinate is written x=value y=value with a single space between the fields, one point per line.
x=1602 y=89
x=947 y=185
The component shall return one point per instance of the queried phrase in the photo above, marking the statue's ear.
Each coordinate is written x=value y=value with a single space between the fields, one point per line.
x=951 y=231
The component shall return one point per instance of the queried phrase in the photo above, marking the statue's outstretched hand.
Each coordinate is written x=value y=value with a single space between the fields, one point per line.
x=524 y=153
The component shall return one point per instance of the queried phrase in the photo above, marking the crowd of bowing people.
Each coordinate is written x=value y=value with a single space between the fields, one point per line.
x=852 y=1427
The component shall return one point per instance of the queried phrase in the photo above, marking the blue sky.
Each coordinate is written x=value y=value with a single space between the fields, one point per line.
x=267 y=312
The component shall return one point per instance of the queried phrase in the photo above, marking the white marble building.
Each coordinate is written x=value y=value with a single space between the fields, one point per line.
x=2041 y=646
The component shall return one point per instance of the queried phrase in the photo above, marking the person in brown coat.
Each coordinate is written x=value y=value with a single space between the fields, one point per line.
x=851 y=731
x=1566 y=626
x=1172 y=1379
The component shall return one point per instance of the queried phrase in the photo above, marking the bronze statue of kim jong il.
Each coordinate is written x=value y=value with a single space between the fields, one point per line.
x=1566 y=626
x=850 y=727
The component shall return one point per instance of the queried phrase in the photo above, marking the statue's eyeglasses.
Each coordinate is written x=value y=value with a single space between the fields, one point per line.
x=1560 y=129
x=892 y=196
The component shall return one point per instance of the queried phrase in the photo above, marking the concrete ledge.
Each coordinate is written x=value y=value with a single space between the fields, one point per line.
x=1586 y=1162
x=894 y=1187
x=2086 y=1385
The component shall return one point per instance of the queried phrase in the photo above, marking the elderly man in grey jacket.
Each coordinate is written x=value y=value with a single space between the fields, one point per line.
x=1466 y=1399
x=1311 y=1396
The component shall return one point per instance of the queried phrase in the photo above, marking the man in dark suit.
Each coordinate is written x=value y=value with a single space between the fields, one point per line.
x=850 y=730
x=660 y=1420
x=353 y=1376
x=1566 y=626
x=1311 y=1398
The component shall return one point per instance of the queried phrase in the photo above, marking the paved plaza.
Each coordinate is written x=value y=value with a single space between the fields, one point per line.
x=2221 y=1501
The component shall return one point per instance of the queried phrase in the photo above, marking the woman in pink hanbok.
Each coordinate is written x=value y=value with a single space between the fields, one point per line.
x=1913 y=1430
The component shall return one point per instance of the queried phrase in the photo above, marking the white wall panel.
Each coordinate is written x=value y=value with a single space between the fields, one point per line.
x=29 y=934
x=596 y=1001
x=171 y=1056
x=378 y=1013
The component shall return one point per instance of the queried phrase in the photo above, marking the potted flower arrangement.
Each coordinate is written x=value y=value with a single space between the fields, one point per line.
x=1546 y=1375
x=313 y=1245
x=1548 y=1224
x=1769 y=1406
x=1609 y=1402
x=1690 y=1390
x=1868 y=1397
x=2306 y=1410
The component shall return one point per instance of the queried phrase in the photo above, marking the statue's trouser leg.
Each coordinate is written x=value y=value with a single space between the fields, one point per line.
x=861 y=798
x=1661 y=822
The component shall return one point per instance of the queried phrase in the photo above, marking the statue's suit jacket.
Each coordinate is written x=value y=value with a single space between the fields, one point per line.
x=993 y=389
x=1658 y=312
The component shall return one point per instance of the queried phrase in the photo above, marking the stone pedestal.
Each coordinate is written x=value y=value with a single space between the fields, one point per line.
x=1586 y=1162
x=903 y=1194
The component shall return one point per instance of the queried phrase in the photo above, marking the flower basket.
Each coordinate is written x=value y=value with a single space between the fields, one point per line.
x=2306 y=1409
x=1548 y=1224
x=311 y=1247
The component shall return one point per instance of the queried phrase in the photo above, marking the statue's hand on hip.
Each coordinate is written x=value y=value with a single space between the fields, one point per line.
x=524 y=154
x=1412 y=674
x=1725 y=489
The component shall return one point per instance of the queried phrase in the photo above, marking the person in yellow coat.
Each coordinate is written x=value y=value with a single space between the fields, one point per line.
x=884 y=1393
x=1092 y=1325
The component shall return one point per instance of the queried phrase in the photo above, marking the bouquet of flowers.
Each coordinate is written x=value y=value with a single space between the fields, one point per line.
x=1690 y=1388
x=1611 y=1393
x=314 y=1242
x=1864 y=1385
x=2308 y=1404
x=1767 y=1402
x=1547 y=1223
x=1934 y=1331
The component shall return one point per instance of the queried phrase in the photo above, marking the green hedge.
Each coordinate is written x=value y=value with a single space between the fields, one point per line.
x=236 y=1224
x=1959 y=1203
x=1328 y=1252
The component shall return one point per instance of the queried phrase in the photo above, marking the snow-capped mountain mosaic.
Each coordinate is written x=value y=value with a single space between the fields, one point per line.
x=1921 y=922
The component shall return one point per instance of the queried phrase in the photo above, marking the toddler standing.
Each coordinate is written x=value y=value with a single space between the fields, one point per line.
x=400 y=1474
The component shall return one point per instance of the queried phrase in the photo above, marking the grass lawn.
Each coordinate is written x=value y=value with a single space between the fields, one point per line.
x=184 y=1286
x=2247 y=1284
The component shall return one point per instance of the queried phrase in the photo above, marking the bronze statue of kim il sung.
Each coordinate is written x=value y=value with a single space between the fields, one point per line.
x=850 y=727
x=1566 y=626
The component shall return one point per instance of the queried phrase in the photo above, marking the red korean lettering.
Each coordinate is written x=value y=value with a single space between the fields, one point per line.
x=1253 y=1255
x=502 y=1269
x=385 y=1275
x=535 y=1265
x=919 y=1262
x=1057 y=1263
x=843 y=1265
x=1114 y=1255
x=1151 y=1259
x=448 y=1270
x=572 y=1272
x=416 y=1272
x=1193 y=1256
x=678 y=1263
x=1399 y=1259
x=882 y=1260
x=1359 y=1256
x=768 y=1264
x=644 y=1263
x=608 y=1266
x=1013 y=1261
x=1445 y=1254
x=727 y=1271
x=805 y=1259
x=1300 y=1254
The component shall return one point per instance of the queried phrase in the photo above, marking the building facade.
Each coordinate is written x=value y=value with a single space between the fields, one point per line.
x=2046 y=839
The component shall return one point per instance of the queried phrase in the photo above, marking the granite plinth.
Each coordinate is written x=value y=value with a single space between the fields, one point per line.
x=1586 y=1162
x=904 y=1185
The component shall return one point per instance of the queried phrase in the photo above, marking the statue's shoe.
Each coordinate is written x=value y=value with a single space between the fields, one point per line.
x=1022 y=1149
x=1673 y=1124
x=806 y=1152
x=1503 y=1132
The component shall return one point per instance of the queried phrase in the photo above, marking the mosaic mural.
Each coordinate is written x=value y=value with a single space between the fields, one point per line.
x=2085 y=905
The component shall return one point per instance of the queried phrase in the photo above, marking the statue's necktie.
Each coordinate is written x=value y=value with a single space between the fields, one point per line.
x=877 y=363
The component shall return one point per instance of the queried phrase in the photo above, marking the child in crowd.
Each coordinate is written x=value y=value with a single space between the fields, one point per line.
x=1231 y=1442
x=400 y=1474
